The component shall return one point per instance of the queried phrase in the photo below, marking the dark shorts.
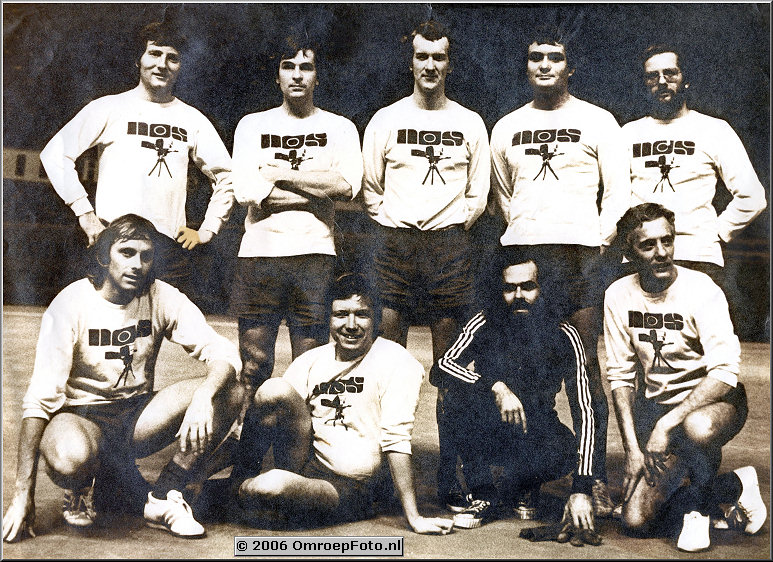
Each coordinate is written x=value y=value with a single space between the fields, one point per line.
x=648 y=412
x=119 y=488
x=414 y=265
x=116 y=421
x=172 y=264
x=292 y=287
x=356 y=497
x=571 y=276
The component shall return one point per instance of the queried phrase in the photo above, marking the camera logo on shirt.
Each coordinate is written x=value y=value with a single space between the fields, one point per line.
x=125 y=338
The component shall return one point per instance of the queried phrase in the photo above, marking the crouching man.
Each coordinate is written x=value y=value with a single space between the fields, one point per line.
x=672 y=324
x=503 y=372
x=331 y=418
x=90 y=409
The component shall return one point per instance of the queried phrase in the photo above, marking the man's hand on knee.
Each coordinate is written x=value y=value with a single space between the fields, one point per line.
x=656 y=453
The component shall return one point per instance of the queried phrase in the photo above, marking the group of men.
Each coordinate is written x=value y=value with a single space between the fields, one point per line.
x=572 y=188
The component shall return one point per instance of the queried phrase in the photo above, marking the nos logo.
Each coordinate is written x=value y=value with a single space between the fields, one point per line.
x=655 y=320
x=293 y=141
x=445 y=138
x=352 y=384
x=123 y=336
x=641 y=149
x=156 y=130
x=546 y=136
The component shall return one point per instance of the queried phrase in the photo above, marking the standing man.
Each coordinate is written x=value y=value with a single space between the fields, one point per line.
x=290 y=164
x=504 y=371
x=90 y=409
x=677 y=157
x=427 y=174
x=550 y=160
x=146 y=138
x=672 y=324
x=337 y=412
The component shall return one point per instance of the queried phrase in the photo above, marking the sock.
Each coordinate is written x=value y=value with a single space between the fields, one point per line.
x=172 y=477
x=727 y=488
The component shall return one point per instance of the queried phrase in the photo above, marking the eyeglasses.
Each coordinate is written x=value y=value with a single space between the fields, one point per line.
x=670 y=75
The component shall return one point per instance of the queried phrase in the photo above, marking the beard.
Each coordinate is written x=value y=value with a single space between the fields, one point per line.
x=666 y=109
x=525 y=322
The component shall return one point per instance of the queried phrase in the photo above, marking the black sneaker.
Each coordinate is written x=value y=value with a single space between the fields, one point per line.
x=456 y=501
x=526 y=503
x=479 y=512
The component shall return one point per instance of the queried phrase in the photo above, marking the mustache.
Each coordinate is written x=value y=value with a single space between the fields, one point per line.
x=520 y=304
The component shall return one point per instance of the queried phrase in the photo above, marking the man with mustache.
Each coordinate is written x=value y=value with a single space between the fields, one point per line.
x=425 y=183
x=672 y=324
x=504 y=371
x=550 y=159
x=678 y=156
x=146 y=139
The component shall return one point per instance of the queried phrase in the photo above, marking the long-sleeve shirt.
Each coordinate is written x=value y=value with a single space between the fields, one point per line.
x=677 y=163
x=533 y=366
x=359 y=408
x=322 y=141
x=548 y=168
x=91 y=351
x=144 y=151
x=425 y=169
x=677 y=337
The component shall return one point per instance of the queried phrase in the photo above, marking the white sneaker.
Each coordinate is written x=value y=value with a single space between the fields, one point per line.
x=695 y=533
x=174 y=515
x=78 y=507
x=750 y=503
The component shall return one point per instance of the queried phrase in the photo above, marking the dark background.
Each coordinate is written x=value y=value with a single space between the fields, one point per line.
x=58 y=57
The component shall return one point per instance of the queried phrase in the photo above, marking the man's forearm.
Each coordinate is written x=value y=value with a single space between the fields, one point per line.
x=708 y=391
x=321 y=184
x=623 y=400
x=402 y=476
x=218 y=374
x=29 y=447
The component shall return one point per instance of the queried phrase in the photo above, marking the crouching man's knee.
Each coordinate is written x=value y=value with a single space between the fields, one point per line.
x=635 y=520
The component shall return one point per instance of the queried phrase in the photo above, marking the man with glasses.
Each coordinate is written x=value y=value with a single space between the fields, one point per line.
x=677 y=158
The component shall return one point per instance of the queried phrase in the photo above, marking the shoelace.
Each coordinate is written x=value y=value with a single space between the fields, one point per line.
x=477 y=506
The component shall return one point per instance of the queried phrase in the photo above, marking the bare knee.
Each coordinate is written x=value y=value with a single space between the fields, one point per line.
x=68 y=458
x=701 y=428
x=634 y=519
x=268 y=488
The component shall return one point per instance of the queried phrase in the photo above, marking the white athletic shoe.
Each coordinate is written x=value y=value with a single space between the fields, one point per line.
x=750 y=503
x=174 y=515
x=78 y=507
x=695 y=533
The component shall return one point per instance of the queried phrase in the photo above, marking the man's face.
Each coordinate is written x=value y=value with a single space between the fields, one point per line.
x=351 y=327
x=652 y=253
x=547 y=68
x=130 y=263
x=664 y=80
x=520 y=288
x=430 y=63
x=159 y=67
x=297 y=76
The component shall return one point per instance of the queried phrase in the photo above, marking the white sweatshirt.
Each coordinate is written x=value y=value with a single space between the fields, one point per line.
x=548 y=168
x=322 y=141
x=677 y=163
x=360 y=408
x=425 y=169
x=144 y=151
x=678 y=336
x=92 y=351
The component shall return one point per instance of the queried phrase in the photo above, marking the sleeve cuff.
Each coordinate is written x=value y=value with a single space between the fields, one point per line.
x=620 y=384
x=725 y=376
x=212 y=225
x=582 y=485
x=81 y=206
x=205 y=235
x=35 y=413
x=400 y=447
